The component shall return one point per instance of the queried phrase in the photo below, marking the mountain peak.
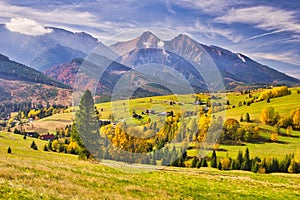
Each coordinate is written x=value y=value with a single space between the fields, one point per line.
x=147 y=34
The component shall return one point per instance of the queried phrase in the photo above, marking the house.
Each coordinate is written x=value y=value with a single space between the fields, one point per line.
x=48 y=137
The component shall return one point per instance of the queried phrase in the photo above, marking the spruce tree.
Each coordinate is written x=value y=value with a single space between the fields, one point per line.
x=220 y=166
x=204 y=163
x=9 y=150
x=246 y=164
x=194 y=162
x=199 y=163
x=213 y=162
x=86 y=123
x=33 y=146
x=45 y=148
x=247 y=117
x=239 y=160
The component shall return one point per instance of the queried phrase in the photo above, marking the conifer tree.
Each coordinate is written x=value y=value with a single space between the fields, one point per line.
x=85 y=131
x=194 y=162
x=246 y=164
x=204 y=163
x=9 y=150
x=213 y=162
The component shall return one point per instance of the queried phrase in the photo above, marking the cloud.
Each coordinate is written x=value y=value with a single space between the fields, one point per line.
x=210 y=31
x=263 y=17
x=287 y=57
x=62 y=15
x=208 y=6
x=27 y=27
x=263 y=35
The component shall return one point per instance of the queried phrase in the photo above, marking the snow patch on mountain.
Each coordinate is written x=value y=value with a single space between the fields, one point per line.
x=241 y=57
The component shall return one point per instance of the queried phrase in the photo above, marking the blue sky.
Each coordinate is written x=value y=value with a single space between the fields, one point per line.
x=267 y=31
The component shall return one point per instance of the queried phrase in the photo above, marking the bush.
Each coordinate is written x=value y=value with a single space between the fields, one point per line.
x=9 y=150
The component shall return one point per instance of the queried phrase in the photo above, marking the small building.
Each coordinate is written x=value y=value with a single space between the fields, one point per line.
x=48 y=137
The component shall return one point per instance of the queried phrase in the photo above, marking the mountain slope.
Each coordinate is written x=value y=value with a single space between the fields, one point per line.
x=20 y=83
x=43 y=51
x=106 y=77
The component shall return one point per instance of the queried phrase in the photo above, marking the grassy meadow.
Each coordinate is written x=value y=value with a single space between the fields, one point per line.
x=30 y=174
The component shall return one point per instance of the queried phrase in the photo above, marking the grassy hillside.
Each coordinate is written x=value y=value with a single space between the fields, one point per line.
x=282 y=104
x=29 y=174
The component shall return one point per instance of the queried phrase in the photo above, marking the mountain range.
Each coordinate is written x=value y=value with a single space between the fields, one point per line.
x=152 y=66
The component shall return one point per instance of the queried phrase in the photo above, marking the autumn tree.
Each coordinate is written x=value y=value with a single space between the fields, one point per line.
x=296 y=118
x=269 y=116
x=230 y=129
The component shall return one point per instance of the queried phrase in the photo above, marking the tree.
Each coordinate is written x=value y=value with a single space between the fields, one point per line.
x=274 y=137
x=248 y=117
x=241 y=118
x=230 y=128
x=33 y=146
x=239 y=160
x=213 y=162
x=199 y=163
x=45 y=147
x=9 y=150
x=246 y=164
x=269 y=116
x=220 y=166
x=225 y=162
x=289 y=130
x=293 y=166
x=296 y=119
x=194 y=162
x=204 y=163
x=86 y=130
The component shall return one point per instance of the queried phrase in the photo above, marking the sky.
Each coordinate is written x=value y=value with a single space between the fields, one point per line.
x=266 y=31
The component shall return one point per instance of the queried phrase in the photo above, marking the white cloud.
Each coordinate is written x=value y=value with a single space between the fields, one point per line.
x=27 y=27
x=63 y=15
x=287 y=57
x=208 y=6
x=263 y=17
x=263 y=35
x=210 y=31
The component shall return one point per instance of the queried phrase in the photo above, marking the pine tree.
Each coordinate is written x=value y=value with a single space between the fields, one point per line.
x=33 y=146
x=213 y=162
x=247 y=117
x=45 y=147
x=50 y=146
x=9 y=150
x=204 y=163
x=246 y=164
x=87 y=127
x=194 y=162
x=239 y=160
x=220 y=166
x=199 y=163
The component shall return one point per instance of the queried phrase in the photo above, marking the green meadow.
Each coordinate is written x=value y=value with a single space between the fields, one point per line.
x=30 y=174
